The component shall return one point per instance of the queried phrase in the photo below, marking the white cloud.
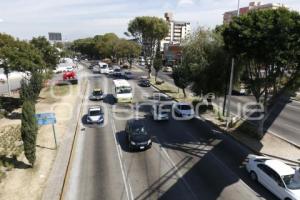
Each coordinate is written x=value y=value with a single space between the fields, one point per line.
x=185 y=2
x=1 y=20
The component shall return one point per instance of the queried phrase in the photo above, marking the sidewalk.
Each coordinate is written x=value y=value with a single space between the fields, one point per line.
x=269 y=145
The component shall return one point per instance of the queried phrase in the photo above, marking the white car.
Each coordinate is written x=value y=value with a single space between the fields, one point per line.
x=160 y=112
x=183 y=110
x=279 y=178
x=95 y=115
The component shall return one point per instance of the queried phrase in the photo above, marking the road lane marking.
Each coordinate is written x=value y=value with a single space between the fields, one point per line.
x=176 y=169
x=128 y=187
x=120 y=160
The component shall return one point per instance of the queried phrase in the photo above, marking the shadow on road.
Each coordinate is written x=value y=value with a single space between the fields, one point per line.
x=215 y=163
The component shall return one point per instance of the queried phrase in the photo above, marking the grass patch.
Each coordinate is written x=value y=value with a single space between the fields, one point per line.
x=245 y=128
x=172 y=91
x=10 y=141
x=11 y=146
x=54 y=93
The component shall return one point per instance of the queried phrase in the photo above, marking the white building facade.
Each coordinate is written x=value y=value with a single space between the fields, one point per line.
x=178 y=31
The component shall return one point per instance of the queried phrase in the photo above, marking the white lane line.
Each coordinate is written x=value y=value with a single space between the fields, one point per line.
x=120 y=161
x=177 y=170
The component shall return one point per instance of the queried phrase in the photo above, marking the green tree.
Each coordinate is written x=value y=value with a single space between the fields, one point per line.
x=106 y=45
x=208 y=61
x=182 y=77
x=29 y=131
x=19 y=55
x=128 y=50
x=267 y=42
x=86 y=46
x=157 y=64
x=148 y=31
x=49 y=53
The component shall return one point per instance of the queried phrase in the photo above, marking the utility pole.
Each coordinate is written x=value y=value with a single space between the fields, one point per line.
x=231 y=80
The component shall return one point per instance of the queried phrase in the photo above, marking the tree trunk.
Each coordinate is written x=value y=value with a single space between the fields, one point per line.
x=262 y=121
x=184 y=94
x=156 y=73
x=8 y=84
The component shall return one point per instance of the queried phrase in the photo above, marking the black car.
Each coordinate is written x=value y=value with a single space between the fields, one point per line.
x=144 y=83
x=138 y=137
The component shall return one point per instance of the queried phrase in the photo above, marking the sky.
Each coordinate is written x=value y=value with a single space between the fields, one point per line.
x=85 y=18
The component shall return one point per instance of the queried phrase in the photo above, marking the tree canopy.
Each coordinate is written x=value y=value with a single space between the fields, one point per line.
x=49 y=53
x=267 y=42
x=148 y=31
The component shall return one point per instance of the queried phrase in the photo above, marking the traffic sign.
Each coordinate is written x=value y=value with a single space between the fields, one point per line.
x=45 y=118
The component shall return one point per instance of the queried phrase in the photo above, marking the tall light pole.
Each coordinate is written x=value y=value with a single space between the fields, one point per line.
x=231 y=79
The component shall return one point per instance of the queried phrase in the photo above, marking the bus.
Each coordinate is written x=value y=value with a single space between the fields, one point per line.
x=122 y=91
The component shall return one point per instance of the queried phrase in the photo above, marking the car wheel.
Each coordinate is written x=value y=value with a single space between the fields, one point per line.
x=287 y=198
x=253 y=176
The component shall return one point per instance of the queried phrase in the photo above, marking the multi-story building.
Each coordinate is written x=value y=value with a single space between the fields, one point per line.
x=256 y=5
x=178 y=31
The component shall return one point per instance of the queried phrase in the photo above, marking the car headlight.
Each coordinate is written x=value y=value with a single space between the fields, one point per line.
x=149 y=141
x=133 y=143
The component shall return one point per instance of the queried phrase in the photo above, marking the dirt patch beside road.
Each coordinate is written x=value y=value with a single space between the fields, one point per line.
x=23 y=182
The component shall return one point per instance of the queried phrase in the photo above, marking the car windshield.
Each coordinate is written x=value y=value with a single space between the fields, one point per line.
x=95 y=112
x=123 y=90
x=290 y=182
x=96 y=93
x=117 y=70
x=139 y=131
x=184 y=107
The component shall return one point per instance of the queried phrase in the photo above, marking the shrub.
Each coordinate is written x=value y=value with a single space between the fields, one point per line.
x=29 y=130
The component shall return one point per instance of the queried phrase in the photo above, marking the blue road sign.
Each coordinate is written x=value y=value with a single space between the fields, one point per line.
x=45 y=118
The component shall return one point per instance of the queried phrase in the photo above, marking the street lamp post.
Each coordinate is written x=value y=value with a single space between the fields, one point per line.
x=231 y=80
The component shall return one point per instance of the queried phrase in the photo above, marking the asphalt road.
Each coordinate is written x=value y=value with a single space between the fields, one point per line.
x=188 y=159
x=284 y=119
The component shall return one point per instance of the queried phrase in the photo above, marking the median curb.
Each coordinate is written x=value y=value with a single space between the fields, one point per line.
x=56 y=179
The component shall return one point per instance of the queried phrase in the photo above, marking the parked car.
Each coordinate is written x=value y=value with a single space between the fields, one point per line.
x=160 y=112
x=184 y=110
x=144 y=83
x=97 y=94
x=279 y=178
x=128 y=75
x=95 y=115
x=137 y=136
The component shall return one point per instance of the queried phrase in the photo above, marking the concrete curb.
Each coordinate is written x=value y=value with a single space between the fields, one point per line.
x=56 y=179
